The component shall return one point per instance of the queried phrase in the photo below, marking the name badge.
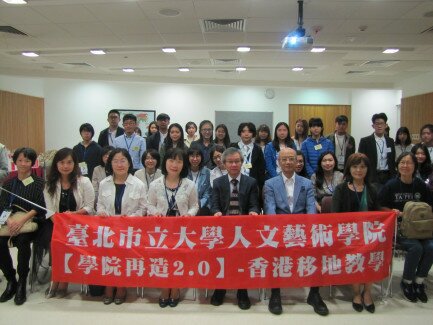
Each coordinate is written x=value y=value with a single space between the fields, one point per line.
x=28 y=181
x=340 y=160
x=248 y=166
x=136 y=148
x=4 y=216
x=83 y=168
x=318 y=147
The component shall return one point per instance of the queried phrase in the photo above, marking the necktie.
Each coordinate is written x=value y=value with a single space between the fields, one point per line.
x=234 y=199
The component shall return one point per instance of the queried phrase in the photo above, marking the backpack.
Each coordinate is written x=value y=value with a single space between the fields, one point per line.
x=417 y=222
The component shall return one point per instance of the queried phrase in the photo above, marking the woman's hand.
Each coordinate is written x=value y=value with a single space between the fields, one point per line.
x=15 y=226
x=398 y=212
x=102 y=214
x=253 y=213
x=218 y=214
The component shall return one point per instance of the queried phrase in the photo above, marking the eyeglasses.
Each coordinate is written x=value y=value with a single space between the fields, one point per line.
x=216 y=157
x=289 y=159
x=119 y=162
x=233 y=162
x=206 y=130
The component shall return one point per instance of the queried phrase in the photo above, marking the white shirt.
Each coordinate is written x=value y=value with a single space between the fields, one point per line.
x=231 y=184
x=382 y=153
x=247 y=151
x=289 y=183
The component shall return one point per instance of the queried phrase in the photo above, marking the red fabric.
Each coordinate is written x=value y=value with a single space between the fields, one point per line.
x=149 y=252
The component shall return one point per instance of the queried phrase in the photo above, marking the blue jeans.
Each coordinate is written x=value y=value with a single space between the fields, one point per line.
x=419 y=257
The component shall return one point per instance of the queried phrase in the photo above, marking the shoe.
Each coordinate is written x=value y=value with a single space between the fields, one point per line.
x=163 y=302
x=107 y=300
x=358 y=307
x=11 y=289
x=275 y=304
x=20 y=296
x=172 y=302
x=244 y=302
x=370 y=308
x=319 y=306
x=420 y=292
x=50 y=292
x=218 y=297
x=120 y=300
x=408 y=291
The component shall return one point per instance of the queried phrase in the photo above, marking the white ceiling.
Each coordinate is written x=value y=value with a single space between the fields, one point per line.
x=133 y=32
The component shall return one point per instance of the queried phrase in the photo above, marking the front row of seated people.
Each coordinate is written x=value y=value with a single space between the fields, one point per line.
x=175 y=194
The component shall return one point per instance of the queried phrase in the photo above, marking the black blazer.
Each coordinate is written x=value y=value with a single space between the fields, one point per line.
x=103 y=136
x=152 y=142
x=367 y=146
x=248 y=195
x=258 y=161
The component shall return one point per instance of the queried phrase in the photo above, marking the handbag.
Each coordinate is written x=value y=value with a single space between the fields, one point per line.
x=29 y=226
x=417 y=221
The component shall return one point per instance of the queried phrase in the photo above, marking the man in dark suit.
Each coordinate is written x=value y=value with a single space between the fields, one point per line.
x=234 y=194
x=289 y=193
x=344 y=143
x=157 y=139
x=254 y=161
x=380 y=150
x=107 y=136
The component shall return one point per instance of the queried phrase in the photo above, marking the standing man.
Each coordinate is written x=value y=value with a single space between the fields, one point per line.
x=4 y=163
x=289 y=193
x=135 y=144
x=426 y=134
x=107 y=136
x=380 y=150
x=156 y=140
x=234 y=194
x=343 y=142
x=254 y=161
x=314 y=145
x=87 y=151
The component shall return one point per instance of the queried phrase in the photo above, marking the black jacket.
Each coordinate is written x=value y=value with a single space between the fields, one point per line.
x=103 y=136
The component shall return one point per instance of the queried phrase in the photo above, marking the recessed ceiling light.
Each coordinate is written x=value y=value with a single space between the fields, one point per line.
x=318 y=49
x=30 y=54
x=169 y=12
x=297 y=69
x=128 y=70
x=240 y=69
x=97 y=52
x=169 y=50
x=243 y=49
x=390 y=51
x=184 y=69
x=16 y=2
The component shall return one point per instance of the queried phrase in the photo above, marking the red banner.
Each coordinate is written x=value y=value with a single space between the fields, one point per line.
x=266 y=251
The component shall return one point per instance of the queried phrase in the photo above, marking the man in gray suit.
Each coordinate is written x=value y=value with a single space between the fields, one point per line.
x=234 y=194
x=285 y=194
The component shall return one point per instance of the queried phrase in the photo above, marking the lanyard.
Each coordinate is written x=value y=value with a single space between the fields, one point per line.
x=149 y=179
x=247 y=153
x=171 y=203
x=126 y=142
x=84 y=151
x=330 y=188
x=342 y=146
x=381 y=149
x=357 y=197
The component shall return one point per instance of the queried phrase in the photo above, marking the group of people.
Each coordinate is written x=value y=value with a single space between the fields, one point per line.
x=169 y=174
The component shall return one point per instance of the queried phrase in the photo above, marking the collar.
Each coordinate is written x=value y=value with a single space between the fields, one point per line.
x=238 y=178
x=382 y=138
x=291 y=179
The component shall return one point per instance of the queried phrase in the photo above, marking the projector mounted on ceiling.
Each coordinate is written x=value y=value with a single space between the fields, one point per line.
x=297 y=38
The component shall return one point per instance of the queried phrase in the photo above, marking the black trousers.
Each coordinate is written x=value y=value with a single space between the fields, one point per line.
x=22 y=242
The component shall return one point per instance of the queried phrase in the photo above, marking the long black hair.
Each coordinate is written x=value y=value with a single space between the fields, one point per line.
x=168 y=142
x=54 y=174
x=288 y=140
x=425 y=168
x=320 y=173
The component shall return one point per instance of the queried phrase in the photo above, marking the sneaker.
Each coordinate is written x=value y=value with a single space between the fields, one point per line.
x=408 y=291
x=420 y=292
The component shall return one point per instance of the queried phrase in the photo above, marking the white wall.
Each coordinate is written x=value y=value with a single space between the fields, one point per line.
x=422 y=84
x=69 y=103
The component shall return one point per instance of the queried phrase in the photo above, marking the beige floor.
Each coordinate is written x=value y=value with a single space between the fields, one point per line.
x=81 y=309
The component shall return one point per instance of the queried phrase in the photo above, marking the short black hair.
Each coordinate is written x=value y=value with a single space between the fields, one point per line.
x=162 y=116
x=28 y=153
x=379 y=116
x=341 y=118
x=129 y=117
x=217 y=148
x=193 y=150
x=190 y=123
x=426 y=126
x=125 y=153
x=174 y=153
x=250 y=126
x=412 y=156
x=87 y=127
x=315 y=121
x=154 y=154
x=115 y=111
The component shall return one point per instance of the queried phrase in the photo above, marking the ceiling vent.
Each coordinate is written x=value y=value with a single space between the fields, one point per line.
x=225 y=61
x=380 y=63
x=222 y=25
x=78 y=64
x=195 y=62
x=226 y=71
x=428 y=30
x=11 y=30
